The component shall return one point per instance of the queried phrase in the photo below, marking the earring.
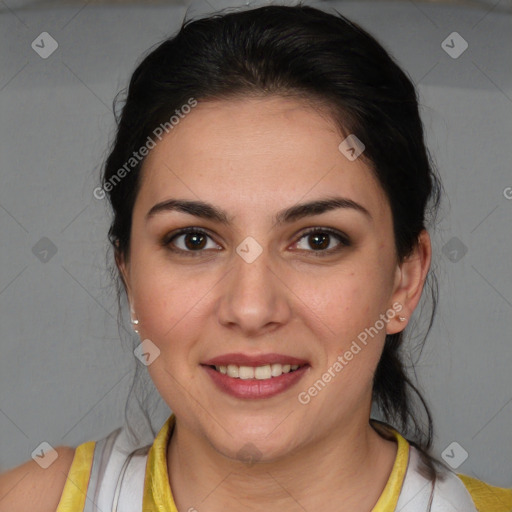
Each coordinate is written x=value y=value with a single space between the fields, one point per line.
x=402 y=318
x=134 y=321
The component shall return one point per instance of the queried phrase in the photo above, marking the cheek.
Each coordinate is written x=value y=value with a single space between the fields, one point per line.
x=168 y=317
x=172 y=306
x=346 y=301
x=343 y=312
x=161 y=299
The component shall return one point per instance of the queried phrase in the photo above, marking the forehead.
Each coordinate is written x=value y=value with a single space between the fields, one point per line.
x=256 y=154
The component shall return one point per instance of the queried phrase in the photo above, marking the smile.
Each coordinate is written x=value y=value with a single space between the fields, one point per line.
x=264 y=372
x=255 y=382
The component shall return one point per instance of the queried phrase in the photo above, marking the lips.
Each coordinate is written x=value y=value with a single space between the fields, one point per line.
x=256 y=382
x=239 y=359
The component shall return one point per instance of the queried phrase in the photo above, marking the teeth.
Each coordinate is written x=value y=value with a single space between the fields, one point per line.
x=276 y=370
x=232 y=370
x=259 y=372
x=263 y=372
x=246 y=372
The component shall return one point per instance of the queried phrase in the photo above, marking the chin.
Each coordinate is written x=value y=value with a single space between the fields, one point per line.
x=255 y=451
x=250 y=443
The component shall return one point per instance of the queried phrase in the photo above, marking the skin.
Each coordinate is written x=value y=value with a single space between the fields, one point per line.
x=253 y=157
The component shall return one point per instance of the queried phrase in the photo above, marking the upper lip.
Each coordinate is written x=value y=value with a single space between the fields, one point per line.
x=240 y=359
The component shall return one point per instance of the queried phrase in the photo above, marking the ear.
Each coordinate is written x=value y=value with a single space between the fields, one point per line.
x=410 y=278
x=123 y=266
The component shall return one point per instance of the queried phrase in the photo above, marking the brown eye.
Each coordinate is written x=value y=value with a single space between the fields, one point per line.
x=188 y=240
x=320 y=239
x=194 y=241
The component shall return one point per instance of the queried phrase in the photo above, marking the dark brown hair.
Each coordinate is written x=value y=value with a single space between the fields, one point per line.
x=321 y=57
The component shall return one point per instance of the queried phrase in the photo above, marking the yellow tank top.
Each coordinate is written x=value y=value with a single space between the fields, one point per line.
x=157 y=494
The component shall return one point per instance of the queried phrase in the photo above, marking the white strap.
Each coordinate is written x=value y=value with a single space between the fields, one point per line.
x=129 y=491
x=117 y=476
x=448 y=495
x=101 y=457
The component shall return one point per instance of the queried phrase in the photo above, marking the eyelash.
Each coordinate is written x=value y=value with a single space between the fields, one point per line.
x=344 y=241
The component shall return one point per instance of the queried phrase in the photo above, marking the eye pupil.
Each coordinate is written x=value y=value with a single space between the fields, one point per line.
x=316 y=237
x=195 y=237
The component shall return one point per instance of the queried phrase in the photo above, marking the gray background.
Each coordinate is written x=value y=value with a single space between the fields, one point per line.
x=64 y=373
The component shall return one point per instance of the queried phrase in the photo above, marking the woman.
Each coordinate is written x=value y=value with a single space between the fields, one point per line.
x=270 y=188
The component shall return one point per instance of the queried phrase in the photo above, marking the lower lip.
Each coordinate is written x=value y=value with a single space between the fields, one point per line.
x=255 y=388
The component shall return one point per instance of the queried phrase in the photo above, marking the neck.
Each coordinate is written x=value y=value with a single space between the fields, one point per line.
x=346 y=470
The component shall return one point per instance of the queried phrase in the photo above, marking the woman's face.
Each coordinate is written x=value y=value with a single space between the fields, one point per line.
x=255 y=289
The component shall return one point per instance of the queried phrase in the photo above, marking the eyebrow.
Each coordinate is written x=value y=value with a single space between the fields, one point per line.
x=208 y=211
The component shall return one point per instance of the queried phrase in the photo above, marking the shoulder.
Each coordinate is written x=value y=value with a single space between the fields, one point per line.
x=451 y=492
x=111 y=470
x=487 y=498
x=420 y=491
x=30 y=487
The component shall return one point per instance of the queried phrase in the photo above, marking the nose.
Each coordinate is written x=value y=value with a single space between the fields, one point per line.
x=254 y=297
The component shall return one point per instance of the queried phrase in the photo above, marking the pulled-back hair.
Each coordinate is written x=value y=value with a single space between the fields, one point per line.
x=327 y=60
